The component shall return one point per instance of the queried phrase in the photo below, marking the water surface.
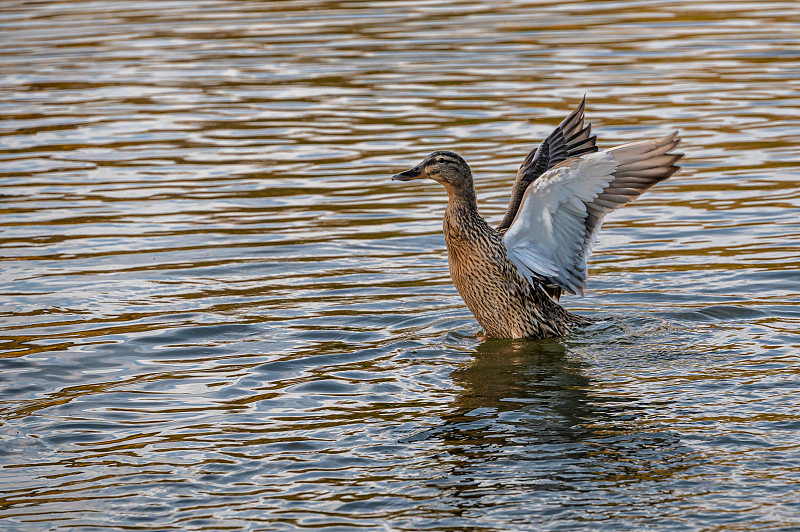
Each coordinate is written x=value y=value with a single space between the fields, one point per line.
x=218 y=312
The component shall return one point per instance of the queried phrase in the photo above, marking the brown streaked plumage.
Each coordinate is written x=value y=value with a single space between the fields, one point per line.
x=511 y=277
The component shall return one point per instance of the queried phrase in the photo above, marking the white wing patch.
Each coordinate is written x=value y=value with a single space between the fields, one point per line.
x=548 y=238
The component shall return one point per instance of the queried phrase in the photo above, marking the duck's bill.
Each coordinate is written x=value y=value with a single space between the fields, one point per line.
x=408 y=175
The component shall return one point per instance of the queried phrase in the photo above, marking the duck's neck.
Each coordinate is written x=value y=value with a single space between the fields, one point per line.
x=461 y=200
x=461 y=218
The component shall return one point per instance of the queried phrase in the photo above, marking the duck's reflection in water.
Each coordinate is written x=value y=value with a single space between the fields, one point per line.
x=530 y=423
x=521 y=389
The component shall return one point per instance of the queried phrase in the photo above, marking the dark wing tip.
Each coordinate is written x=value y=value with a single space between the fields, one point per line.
x=569 y=139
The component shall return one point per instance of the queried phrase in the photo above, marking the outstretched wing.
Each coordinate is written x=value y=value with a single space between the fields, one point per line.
x=569 y=139
x=557 y=223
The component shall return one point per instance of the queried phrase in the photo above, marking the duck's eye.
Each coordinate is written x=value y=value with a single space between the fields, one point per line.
x=440 y=160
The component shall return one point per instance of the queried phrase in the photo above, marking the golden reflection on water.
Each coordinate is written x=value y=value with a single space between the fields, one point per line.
x=217 y=311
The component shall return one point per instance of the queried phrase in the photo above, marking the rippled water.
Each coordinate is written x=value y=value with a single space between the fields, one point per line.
x=218 y=312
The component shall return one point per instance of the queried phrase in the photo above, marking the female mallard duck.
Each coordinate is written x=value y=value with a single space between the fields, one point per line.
x=512 y=277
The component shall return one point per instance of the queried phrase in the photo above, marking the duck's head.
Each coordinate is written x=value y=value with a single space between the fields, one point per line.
x=446 y=167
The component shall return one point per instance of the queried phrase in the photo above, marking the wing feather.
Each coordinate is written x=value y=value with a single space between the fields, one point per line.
x=560 y=213
x=570 y=139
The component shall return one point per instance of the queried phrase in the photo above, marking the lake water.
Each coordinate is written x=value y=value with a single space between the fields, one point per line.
x=218 y=312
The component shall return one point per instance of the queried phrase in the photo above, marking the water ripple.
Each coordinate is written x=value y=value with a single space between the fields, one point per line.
x=218 y=312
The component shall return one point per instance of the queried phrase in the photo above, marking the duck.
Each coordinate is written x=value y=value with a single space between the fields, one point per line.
x=512 y=276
